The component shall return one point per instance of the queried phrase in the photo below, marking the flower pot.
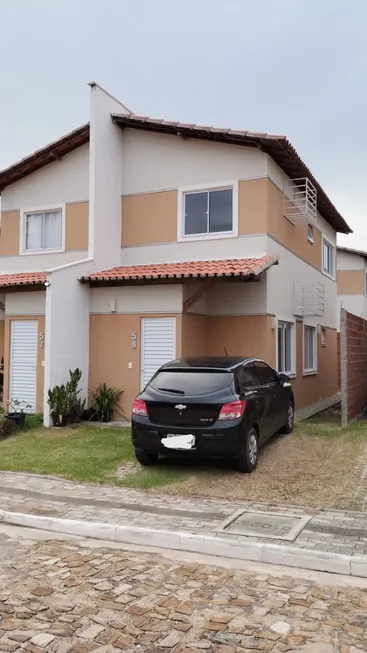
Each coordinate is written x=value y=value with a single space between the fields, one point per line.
x=60 y=420
x=17 y=418
x=89 y=415
x=105 y=415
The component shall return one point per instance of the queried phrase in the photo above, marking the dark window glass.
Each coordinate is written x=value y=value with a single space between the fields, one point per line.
x=220 y=211
x=266 y=373
x=208 y=212
x=191 y=383
x=196 y=213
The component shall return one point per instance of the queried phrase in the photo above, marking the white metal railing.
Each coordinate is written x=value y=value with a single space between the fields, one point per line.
x=308 y=298
x=300 y=200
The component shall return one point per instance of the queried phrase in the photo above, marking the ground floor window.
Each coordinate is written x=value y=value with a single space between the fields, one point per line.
x=309 y=349
x=285 y=347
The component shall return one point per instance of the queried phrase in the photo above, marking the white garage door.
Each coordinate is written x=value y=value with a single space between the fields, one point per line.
x=23 y=362
x=158 y=345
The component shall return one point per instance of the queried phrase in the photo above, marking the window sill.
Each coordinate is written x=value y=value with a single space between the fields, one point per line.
x=329 y=276
x=309 y=372
x=38 y=252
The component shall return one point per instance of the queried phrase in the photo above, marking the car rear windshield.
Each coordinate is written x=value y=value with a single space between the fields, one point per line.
x=182 y=383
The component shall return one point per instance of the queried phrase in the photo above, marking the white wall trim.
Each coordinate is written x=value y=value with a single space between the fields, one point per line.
x=41 y=209
x=232 y=184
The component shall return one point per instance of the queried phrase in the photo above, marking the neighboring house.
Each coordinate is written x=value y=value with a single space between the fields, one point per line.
x=131 y=241
x=352 y=281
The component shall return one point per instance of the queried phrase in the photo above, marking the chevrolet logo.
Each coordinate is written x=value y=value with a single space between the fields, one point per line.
x=180 y=407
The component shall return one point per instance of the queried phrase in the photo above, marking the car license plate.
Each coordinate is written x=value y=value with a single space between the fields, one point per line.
x=173 y=441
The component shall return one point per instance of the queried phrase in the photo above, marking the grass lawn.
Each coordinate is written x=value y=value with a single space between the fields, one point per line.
x=317 y=466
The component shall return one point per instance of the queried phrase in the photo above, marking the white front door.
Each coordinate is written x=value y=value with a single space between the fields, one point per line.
x=23 y=362
x=158 y=345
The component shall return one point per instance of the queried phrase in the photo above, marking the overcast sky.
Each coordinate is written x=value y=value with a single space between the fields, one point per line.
x=294 y=67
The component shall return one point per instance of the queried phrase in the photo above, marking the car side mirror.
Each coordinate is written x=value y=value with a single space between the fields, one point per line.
x=284 y=378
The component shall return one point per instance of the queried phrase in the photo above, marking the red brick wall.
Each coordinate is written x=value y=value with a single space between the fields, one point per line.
x=353 y=365
x=338 y=360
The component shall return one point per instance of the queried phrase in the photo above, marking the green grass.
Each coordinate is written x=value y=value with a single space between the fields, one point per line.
x=85 y=453
x=80 y=453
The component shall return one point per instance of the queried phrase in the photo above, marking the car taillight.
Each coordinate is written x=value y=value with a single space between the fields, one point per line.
x=140 y=408
x=234 y=410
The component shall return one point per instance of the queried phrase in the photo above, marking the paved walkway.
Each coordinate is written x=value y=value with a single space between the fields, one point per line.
x=74 y=597
x=323 y=530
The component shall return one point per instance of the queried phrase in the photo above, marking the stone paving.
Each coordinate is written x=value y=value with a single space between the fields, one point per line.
x=71 y=597
x=327 y=530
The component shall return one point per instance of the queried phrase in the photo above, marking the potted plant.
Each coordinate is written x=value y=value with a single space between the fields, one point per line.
x=58 y=402
x=16 y=411
x=104 y=401
x=75 y=404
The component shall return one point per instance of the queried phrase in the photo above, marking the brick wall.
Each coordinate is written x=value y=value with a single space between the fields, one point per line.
x=353 y=366
x=338 y=360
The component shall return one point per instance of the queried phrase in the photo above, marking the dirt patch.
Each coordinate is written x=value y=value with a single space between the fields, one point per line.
x=302 y=469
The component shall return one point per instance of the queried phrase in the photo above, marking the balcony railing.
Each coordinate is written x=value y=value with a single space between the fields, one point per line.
x=300 y=200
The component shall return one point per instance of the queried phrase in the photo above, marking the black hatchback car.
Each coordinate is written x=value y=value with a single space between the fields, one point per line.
x=212 y=407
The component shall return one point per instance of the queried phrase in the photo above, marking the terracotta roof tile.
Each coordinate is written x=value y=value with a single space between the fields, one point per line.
x=22 y=279
x=190 y=269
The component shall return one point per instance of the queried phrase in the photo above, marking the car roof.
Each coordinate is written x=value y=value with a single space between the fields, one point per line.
x=207 y=362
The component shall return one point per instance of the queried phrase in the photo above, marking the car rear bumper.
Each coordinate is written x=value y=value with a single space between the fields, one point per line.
x=225 y=441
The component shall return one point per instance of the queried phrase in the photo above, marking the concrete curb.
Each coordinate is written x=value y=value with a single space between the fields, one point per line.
x=277 y=554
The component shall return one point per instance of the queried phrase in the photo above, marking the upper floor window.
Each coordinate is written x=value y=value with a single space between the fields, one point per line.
x=42 y=231
x=327 y=258
x=310 y=234
x=208 y=212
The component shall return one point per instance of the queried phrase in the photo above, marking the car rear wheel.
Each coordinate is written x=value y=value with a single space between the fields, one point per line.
x=247 y=461
x=146 y=458
x=288 y=427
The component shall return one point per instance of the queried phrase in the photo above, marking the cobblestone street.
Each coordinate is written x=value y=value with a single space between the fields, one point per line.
x=73 y=597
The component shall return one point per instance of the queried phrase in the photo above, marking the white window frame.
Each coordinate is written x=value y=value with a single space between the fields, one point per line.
x=22 y=235
x=310 y=236
x=225 y=185
x=325 y=272
x=313 y=370
x=292 y=371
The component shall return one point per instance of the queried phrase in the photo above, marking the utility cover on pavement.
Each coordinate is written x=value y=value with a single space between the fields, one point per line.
x=271 y=525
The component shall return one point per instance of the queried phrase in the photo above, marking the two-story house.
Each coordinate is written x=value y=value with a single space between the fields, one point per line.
x=352 y=281
x=131 y=241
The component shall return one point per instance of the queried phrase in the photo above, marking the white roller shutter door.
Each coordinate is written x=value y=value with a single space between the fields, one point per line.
x=23 y=362
x=158 y=345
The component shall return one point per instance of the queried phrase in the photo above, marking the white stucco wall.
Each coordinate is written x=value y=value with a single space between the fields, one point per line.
x=203 y=250
x=356 y=304
x=59 y=182
x=37 y=262
x=238 y=298
x=106 y=158
x=137 y=299
x=347 y=261
x=280 y=285
x=25 y=303
x=67 y=328
x=152 y=162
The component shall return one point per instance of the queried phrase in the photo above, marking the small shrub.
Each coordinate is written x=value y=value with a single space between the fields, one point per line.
x=6 y=427
x=104 y=400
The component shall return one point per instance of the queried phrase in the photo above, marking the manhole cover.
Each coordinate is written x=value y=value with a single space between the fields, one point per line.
x=275 y=526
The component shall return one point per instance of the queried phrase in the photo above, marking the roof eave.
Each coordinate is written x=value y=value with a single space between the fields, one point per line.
x=278 y=147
